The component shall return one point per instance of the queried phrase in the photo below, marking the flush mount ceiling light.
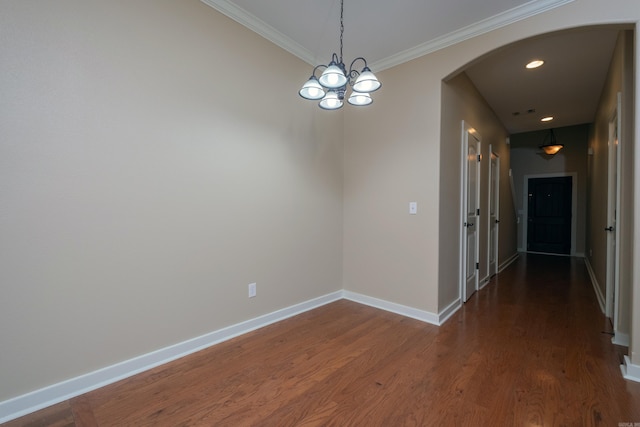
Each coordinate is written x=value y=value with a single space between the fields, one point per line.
x=550 y=145
x=546 y=119
x=331 y=87
x=535 y=64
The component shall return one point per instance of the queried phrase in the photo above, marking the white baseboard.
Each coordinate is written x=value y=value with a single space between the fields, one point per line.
x=620 y=338
x=630 y=371
x=56 y=393
x=508 y=262
x=448 y=311
x=596 y=287
x=393 y=307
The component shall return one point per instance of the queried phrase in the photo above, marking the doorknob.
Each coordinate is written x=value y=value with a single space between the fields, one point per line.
x=497 y=221
x=608 y=229
x=468 y=224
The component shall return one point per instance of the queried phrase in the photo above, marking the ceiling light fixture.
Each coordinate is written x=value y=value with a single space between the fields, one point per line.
x=535 y=64
x=546 y=119
x=549 y=144
x=331 y=87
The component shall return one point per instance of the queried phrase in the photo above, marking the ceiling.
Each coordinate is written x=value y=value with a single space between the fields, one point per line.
x=568 y=86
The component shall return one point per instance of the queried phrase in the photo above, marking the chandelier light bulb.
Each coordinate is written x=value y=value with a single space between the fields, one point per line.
x=366 y=82
x=333 y=77
x=312 y=89
x=331 y=101
x=360 y=99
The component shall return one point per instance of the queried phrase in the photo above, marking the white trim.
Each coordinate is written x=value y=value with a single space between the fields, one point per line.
x=629 y=370
x=493 y=189
x=596 y=287
x=503 y=19
x=448 y=311
x=484 y=282
x=56 y=393
x=574 y=207
x=508 y=262
x=393 y=307
x=620 y=338
x=468 y=130
x=262 y=28
x=527 y=10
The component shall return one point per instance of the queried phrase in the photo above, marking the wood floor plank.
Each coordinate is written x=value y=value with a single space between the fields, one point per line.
x=529 y=349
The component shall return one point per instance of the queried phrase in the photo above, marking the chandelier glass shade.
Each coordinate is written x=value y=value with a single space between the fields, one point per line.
x=550 y=145
x=331 y=87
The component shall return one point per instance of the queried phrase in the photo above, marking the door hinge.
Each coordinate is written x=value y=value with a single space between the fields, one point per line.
x=479 y=157
x=477 y=266
x=478 y=211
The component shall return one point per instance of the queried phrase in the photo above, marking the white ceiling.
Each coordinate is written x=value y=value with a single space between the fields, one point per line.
x=388 y=33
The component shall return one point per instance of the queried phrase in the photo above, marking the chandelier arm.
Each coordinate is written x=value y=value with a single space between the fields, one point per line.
x=316 y=68
x=354 y=61
x=352 y=76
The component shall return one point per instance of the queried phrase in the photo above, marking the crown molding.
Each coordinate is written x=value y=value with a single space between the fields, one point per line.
x=503 y=19
x=260 y=27
x=516 y=14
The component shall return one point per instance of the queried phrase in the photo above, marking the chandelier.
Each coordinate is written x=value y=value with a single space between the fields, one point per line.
x=550 y=145
x=331 y=87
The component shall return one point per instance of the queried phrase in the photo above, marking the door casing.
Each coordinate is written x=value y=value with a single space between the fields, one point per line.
x=574 y=202
x=493 y=217
x=469 y=253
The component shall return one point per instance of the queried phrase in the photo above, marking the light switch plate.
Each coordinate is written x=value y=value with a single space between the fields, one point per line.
x=413 y=208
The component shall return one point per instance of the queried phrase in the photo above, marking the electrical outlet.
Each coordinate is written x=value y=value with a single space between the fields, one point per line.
x=252 y=290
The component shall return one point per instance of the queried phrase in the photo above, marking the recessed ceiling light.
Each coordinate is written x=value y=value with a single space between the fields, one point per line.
x=546 y=119
x=535 y=64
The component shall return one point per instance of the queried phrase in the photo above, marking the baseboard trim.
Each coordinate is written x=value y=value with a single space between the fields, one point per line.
x=596 y=286
x=448 y=311
x=630 y=371
x=484 y=282
x=393 y=307
x=508 y=262
x=620 y=338
x=56 y=393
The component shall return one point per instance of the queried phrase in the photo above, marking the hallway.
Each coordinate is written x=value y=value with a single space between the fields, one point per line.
x=530 y=349
x=551 y=347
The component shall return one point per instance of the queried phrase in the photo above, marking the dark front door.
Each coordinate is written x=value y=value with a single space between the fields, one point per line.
x=549 y=215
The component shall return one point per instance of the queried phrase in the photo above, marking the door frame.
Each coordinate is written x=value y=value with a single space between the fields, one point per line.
x=493 y=188
x=466 y=131
x=574 y=203
x=612 y=280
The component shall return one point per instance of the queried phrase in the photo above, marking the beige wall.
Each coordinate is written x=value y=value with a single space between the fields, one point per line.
x=619 y=80
x=461 y=101
x=154 y=161
x=572 y=159
x=390 y=160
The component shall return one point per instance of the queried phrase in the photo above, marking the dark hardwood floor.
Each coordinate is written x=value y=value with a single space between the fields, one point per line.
x=531 y=349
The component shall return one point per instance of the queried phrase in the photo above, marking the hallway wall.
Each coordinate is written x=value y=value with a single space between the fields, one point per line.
x=619 y=80
x=462 y=101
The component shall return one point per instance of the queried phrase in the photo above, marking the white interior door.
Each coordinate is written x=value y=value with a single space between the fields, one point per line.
x=471 y=211
x=613 y=206
x=494 y=209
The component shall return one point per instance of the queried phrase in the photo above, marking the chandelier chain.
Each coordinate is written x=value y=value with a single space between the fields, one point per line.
x=341 y=26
